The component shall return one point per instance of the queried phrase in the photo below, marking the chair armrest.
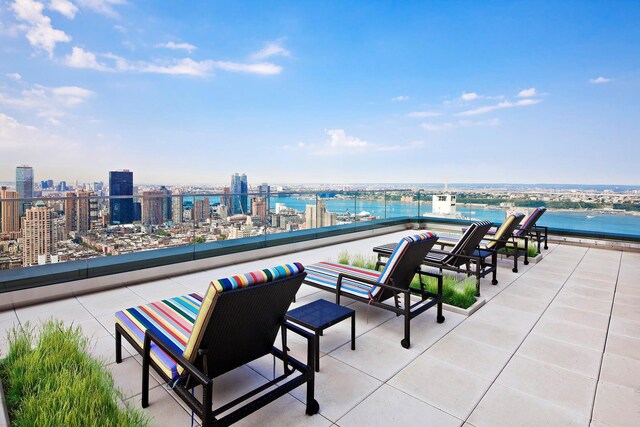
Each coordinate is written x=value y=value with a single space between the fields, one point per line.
x=298 y=330
x=151 y=336
x=367 y=281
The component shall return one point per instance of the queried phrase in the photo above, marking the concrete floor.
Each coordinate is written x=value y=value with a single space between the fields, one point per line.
x=556 y=344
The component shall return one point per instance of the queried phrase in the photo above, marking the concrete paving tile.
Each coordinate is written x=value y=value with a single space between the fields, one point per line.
x=373 y=355
x=490 y=334
x=581 y=317
x=70 y=316
x=111 y=301
x=91 y=328
x=104 y=350
x=127 y=377
x=339 y=388
x=626 y=311
x=629 y=328
x=616 y=405
x=388 y=406
x=621 y=370
x=589 y=289
x=572 y=333
x=285 y=411
x=505 y=407
x=516 y=302
x=585 y=303
x=442 y=385
x=163 y=410
x=557 y=386
x=575 y=358
x=623 y=345
x=159 y=290
x=506 y=317
x=531 y=290
x=473 y=356
x=8 y=315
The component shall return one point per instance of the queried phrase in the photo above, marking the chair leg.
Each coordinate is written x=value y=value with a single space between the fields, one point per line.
x=494 y=266
x=406 y=342
x=118 y=346
x=146 y=355
x=312 y=404
x=440 y=317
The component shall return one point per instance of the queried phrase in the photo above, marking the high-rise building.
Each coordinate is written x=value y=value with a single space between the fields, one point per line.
x=259 y=207
x=121 y=184
x=239 y=197
x=201 y=209
x=9 y=214
x=39 y=236
x=166 y=204
x=24 y=186
x=62 y=186
x=152 y=202
x=177 y=208
x=77 y=211
x=264 y=189
x=317 y=216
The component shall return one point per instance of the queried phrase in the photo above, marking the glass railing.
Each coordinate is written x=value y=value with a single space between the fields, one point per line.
x=83 y=227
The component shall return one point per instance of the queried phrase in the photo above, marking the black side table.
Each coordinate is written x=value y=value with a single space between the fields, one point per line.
x=318 y=316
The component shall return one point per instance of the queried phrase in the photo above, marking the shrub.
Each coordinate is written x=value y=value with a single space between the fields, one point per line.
x=50 y=380
x=357 y=260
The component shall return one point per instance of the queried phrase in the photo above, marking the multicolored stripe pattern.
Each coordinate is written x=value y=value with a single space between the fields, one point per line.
x=181 y=320
x=501 y=232
x=325 y=274
x=171 y=318
x=530 y=221
x=234 y=282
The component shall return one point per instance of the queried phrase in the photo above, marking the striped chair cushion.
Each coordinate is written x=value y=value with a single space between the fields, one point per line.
x=500 y=232
x=530 y=221
x=461 y=245
x=325 y=274
x=219 y=286
x=171 y=318
x=399 y=251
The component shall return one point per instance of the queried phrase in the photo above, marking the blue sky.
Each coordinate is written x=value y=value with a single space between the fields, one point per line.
x=399 y=92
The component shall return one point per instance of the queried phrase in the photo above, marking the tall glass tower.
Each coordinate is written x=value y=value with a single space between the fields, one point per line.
x=121 y=184
x=24 y=186
x=239 y=197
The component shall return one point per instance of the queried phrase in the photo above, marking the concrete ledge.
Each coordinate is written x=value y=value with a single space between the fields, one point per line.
x=4 y=412
x=465 y=311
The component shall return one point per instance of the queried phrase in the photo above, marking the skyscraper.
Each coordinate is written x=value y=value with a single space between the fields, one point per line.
x=121 y=184
x=152 y=207
x=24 y=186
x=239 y=190
x=9 y=214
x=166 y=204
x=77 y=215
x=264 y=189
x=201 y=209
x=39 y=235
x=177 y=209
x=259 y=207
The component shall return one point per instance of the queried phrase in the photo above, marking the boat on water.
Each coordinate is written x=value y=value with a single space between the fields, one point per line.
x=590 y=216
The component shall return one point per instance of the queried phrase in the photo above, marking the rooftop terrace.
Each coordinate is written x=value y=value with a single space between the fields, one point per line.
x=556 y=344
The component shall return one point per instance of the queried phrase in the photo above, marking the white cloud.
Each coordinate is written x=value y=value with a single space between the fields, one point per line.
x=104 y=7
x=80 y=58
x=600 y=80
x=422 y=114
x=498 y=106
x=186 y=66
x=527 y=93
x=72 y=95
x=14 y=76
x=340 y=139
x=469 y=96
x=39 y=31
x=400 y=98
x=271 y=49
x=434 y=127
x=177 y=46
x=266 y=68
x=64 y=7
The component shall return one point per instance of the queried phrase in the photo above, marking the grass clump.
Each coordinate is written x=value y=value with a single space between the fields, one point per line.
x=50 y=380
x=460 y=294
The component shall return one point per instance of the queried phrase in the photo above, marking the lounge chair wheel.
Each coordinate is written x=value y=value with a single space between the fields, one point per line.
x=440 y=319
x=515 y=270
x=526 y=263
x=494 y=282
x=404 y=343
x=546 y=247
x=313 y=407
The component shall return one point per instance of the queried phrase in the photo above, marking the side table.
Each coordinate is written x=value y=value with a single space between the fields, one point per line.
x=318 y=316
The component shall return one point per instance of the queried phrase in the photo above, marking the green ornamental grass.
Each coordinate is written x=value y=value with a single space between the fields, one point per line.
x=460 y=294
x=49 y=379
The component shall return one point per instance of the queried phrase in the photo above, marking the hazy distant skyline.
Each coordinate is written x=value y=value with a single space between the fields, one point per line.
x=180 y=93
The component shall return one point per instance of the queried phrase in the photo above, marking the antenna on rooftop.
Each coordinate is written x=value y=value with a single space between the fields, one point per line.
x=446 y=185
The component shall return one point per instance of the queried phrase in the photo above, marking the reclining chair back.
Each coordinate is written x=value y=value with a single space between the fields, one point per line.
x=405 y=260
x=467 y=244
x=240 y=318
x=530 y=221
x=506 y=230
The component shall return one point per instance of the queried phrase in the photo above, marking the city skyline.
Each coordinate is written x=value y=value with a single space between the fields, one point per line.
x=469 y=92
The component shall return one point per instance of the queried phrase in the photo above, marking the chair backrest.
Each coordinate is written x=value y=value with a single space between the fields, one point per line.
x=403 y=263
x=467 y=243
x=501 y=237
x=530 y=221
x=240 y=317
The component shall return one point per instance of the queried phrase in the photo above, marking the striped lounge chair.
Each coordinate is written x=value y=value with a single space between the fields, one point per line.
x=496 y=239
x=374 y=287
x=190 y=340
x=461 y=257
x=530 y=230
